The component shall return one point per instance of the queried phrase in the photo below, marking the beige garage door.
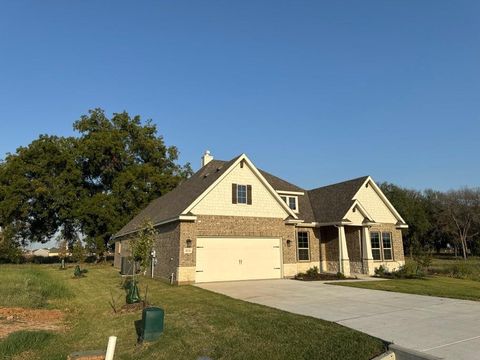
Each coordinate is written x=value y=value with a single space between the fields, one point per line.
x=225 y=259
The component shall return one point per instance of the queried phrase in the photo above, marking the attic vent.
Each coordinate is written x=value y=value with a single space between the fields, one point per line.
x=219 y=168
x=206 y=175
x=366 y=185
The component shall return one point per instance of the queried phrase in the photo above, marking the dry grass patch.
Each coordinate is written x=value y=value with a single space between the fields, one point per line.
x=22 y=319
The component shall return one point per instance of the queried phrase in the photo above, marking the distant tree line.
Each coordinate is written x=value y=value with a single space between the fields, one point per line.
x=86 y=186
x=438 y=220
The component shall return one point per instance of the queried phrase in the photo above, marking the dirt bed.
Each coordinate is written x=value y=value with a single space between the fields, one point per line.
x=16 y=319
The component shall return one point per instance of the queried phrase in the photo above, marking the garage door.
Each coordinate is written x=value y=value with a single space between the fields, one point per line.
x=224 y=259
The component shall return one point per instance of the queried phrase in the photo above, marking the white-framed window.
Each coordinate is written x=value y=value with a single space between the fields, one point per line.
x=387 y=245
x=376 y=250
x=291 y=201
x=119 y=251
x=241 y=194
x=381 y=245
x=303 y=247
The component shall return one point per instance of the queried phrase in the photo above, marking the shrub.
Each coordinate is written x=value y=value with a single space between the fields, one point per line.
x=423 y=260
x=381 y=271
x=340 y=276
x=312 y=272
x=407 y=271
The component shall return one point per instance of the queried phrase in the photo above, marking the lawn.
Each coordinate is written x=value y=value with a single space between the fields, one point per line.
x=433 y=286
x=447 y=277
x=197 y=322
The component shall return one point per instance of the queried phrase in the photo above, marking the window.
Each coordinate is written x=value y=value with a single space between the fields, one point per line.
x=119 y=247
x=291 y=201
x=241 y=194
x=381 y=250
x=303 y=248
x=376 y=251
x=387 y=246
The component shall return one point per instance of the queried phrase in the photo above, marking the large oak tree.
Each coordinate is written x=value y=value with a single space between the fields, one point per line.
x=89 y=185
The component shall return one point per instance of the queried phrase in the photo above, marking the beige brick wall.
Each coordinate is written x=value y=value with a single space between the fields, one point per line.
x=397 y=244
x=329 y=241
x=219 y=200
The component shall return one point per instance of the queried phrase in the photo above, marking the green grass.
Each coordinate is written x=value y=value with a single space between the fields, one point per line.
x=29 y=286
x=448 y=277
x=433 y=286
x=24 y=341
x=197 y=322
x=457 y=268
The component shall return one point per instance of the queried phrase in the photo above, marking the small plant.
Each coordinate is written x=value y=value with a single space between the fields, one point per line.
x=312 y=272
x=423 y=260
x=340 y=276
x=78 y=273
x=382 y=271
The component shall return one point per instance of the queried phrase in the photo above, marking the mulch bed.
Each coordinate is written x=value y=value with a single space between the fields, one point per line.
x=127 y=308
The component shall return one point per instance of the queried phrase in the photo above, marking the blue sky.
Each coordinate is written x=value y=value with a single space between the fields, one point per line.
x=313 y=91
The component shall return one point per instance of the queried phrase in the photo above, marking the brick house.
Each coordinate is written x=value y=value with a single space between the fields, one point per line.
x=233 y=221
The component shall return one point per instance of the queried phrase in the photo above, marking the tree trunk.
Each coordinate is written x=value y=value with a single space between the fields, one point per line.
x=464 y=248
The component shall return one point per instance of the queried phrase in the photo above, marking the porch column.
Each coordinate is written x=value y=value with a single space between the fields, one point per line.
x=344 y=261
x=367 y=260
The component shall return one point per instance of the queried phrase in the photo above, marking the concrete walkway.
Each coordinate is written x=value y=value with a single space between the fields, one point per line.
x=447 y=328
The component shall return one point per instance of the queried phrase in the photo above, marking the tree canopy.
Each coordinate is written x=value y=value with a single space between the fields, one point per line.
x=89 y=185
x=438 y=219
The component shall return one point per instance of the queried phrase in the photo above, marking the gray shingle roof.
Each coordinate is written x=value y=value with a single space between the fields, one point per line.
x=331 y=203
x=173 y=203
x=304 y=206
x=325 y=204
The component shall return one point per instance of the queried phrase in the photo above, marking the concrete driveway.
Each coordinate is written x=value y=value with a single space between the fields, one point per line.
x=442 y=327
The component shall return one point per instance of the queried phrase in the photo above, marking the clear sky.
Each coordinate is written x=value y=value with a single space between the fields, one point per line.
x=313 y=91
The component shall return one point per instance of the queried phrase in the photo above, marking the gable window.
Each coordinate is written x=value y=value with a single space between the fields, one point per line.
x=291 y=201
x=241 y=194
x=303 y=246
x=381 y=247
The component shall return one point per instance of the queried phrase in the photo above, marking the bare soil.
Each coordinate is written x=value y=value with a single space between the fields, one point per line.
x=16 y=319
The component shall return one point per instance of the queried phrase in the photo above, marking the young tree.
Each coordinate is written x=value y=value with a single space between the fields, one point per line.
x=62 y=249
x=141 y=246
x=10 y=250
x=462 y=208
x=78 y=252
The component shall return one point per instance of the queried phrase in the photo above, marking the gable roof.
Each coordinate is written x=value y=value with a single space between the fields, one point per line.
x=327 y=204
x=330 y=203
x=173 y=203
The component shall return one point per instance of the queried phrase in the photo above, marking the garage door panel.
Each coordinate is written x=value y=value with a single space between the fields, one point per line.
x=224 y=259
